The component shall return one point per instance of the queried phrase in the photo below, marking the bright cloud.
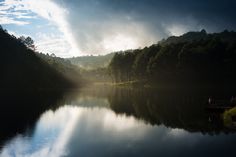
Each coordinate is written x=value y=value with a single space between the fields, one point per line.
x=12 y=13
x=119 y=42
x=90 y=37
x=102 y=26
x=56 y=15
x=52 y=43
x=20 y=11
x=8 y=20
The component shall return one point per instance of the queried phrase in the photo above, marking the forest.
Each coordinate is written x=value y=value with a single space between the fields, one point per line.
x=195 y=58
x=22 y=68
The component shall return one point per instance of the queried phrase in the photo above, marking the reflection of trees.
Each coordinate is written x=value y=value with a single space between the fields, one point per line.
x=20 y=110
x=172 y=108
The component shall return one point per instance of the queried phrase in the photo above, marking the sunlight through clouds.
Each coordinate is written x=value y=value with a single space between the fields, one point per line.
x=55 y=14
x=93 y=27
x=51 y=43
x=119 y=42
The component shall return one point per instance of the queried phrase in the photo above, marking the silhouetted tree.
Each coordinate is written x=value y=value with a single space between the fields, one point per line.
x=29 y=42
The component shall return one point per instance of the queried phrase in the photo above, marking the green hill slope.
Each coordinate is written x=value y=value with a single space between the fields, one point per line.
x=23 y=69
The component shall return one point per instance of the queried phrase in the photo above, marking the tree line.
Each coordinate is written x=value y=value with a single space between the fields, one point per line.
x=195 y=57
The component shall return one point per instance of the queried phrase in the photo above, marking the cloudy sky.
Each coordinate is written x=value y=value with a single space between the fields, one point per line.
x=83 y=27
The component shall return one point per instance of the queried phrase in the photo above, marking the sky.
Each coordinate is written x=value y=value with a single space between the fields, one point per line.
x=94 y=27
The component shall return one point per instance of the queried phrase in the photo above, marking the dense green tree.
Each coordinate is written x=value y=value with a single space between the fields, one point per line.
x=143 y=58
x=194 y=58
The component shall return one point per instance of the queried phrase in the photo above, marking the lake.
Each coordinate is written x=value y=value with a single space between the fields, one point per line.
x=108 y=121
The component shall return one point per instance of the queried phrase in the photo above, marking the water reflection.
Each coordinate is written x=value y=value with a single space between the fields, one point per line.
x=125 y=122
x=172 y=108
x=20 y=109
x=78 y=131
x=55 y=131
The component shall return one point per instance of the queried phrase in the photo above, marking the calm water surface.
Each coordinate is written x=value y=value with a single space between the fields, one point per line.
x=123 y=122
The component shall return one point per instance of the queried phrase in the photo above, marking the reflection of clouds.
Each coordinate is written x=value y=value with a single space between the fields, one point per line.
x=112 y=121
x=177 y=132
x=103 y=121
x=51 y=135
x=73 y=131
x=54 y=129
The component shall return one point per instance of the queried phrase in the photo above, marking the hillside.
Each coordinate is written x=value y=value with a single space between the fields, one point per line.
x=92 y=62
x=195 y=58
x=23 y=69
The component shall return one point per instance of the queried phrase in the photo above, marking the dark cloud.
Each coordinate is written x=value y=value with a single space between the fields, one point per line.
x=144 y=21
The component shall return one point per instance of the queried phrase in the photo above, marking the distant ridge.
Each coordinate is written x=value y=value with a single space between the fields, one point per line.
x=196 y=36
x=92 y=62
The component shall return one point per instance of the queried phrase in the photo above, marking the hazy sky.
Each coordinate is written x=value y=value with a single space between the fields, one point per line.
x=83 y=27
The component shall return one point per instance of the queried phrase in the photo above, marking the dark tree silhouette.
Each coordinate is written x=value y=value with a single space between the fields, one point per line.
x=195 y=58
x=29 y=42
x=24 y=69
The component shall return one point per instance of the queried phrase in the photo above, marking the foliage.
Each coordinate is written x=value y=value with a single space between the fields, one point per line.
x=23 y=69
x=63 y=66
x=227 y=117
x=195 y=57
